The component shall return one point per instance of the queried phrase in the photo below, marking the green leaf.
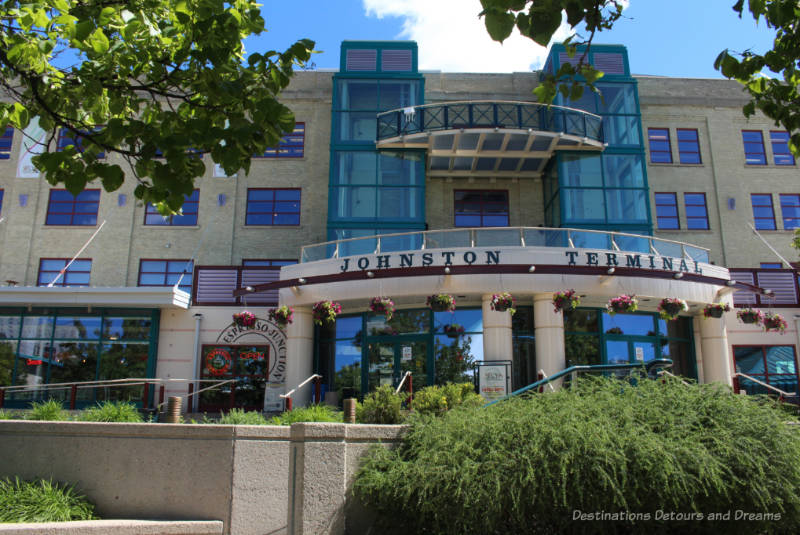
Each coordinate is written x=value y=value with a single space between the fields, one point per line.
x=83 y=29
x=499 y=25
x=99 y=41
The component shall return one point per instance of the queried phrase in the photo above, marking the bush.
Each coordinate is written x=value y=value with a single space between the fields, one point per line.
x=312 y=413
x=50 y=410
x=438 y=399
x=112 y=411
x=41 y=501
x=6 y=415
x=382 y=406
x=242 y=417
x=525 y=465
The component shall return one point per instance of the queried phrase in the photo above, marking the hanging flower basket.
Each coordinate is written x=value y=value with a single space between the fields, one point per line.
x=750 y=315
x=622 y=304
x=245 y=319
x=565 y=300
x=502 y=302
x=715 y=310
x=326 y=312
x=670 y=307
x=382 y=306
x=454 y=330
x=442 y=302
x=281 y=315
x=774 y=322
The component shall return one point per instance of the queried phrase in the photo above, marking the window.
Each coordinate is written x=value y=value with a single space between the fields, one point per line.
x=481 y=208
x=273 y=206
x=267 y=263
x=5 y=142
x=774 y=365
x=658 y=138
x=754 y=147
x=187 y=217
x=696 y=211
x=290 y=145
x=667 y=211
x=763 y=213
x=53 y=269
x=166 y=273
x=688 y=146
x=66 y=138
x=780 y=148
x=790 y=209
x=65 y=209
x=771 y=265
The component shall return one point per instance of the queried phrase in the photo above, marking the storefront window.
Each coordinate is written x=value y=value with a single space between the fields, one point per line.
x=246 y=365
x=773 y=365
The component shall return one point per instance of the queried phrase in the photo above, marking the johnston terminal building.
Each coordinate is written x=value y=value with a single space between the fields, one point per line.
x=406 y=184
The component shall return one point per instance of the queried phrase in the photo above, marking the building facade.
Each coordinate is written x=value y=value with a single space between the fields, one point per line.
x=407 y=184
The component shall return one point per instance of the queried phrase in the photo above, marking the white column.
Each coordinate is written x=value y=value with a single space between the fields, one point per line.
x=300 y=355
x=549 y=331
x=716 y=354
x=497 y=344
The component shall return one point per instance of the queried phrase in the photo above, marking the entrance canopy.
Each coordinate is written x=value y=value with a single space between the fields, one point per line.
x=489 y=138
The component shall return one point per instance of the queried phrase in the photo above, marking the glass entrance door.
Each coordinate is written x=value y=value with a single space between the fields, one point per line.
x=629 y=351
x=389 y=361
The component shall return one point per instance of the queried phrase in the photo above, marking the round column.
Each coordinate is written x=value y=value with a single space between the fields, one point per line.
x=497 y=344
x=300 y=355
x=716 y=355
x=549 y=332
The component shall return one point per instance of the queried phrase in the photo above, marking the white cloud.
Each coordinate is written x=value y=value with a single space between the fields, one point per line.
x=452 y=38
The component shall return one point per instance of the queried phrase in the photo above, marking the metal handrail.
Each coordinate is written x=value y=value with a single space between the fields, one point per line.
x=665 y=372
x=765 y=385
x=424 y=234
x=514 y=102
x=288 y=395
x=656 y=363
x=402 y=382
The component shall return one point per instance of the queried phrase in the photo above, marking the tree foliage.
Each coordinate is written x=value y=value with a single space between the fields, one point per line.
x=154 y=82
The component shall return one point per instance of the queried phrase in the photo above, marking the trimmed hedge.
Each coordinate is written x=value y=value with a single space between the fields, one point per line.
x=530 y=465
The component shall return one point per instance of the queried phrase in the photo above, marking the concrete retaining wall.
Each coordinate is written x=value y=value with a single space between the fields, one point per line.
x=117 y=527
x=252 y=478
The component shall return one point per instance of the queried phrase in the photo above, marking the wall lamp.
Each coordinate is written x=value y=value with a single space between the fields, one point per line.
x=301 y=280
x=730 y=283
x=250 y=289
x=678 y=275
x=611 y=270
x=447 y=270
x=370 y=274
x=531 y=269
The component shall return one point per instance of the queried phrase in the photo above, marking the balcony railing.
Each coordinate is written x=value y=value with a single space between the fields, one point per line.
x=503 y=237
x=489 y=114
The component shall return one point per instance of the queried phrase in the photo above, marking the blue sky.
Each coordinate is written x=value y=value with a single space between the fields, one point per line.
x=664 y=37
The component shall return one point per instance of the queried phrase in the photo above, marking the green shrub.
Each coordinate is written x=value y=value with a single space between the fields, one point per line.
x=50 y=410
x=381 y=406
x=438 y=399
x=312 y=413
x=6 y=415
x=41 y=501
x=526 y=465
x=242 y=417
x=112 y=411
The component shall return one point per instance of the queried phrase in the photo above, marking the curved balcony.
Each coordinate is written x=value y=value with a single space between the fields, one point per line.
x=489 y=138
x=503 y=237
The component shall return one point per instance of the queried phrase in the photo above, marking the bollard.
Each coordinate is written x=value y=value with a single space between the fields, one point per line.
x=349 y=410
x=173 y=414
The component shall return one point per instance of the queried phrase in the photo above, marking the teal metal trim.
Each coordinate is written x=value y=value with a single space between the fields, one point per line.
x=378 y=46
x=656 y=363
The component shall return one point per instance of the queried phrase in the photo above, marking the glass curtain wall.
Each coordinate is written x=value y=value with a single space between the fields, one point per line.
x=62 y=346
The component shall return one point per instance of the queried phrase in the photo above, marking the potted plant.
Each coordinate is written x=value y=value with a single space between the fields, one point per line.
x=623 y=303
x=502 y=302
x=442 y=302
x=245 y=319
x=774 y=322
x=454 y=330
x=715 y=310
x=382 y=305
x=750 y=315
x=670 y=307
x=565 y=300
x=325 y=311
x=281 y=315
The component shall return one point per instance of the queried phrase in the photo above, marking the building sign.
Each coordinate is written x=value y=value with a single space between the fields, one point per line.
x=493 y=381
x=263 y=332
x=217 y=362
x=489 y=257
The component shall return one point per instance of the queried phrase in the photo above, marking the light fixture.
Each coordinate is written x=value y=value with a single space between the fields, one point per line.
x=678 y=275
x=531 y=269
x=769 y=292
x=370 y=274
x=301 y=280
x=730 y=283
x=611 y=270
x=250 y=289
x=447 y=270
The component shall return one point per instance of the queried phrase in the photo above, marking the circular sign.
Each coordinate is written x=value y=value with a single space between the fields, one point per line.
x=218 y=362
